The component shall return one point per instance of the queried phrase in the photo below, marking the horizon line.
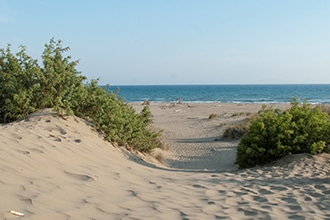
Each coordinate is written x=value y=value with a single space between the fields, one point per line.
x=209 y=84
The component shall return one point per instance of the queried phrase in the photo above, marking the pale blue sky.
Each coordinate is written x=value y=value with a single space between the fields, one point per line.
x=127 y=42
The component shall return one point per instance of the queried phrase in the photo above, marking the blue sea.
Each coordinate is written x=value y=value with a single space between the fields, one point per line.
x=225 y=93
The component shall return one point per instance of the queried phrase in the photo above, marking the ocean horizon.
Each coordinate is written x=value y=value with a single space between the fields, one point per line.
x=224 y=93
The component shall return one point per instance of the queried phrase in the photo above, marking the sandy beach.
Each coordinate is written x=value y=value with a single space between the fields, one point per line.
x=196 y=142
x=55 y=168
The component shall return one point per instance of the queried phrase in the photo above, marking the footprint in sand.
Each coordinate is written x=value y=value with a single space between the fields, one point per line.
x=77 y=140
x=321 y=187
x=37 y=150
x=134 y=193
x=198 y=186
x=154 y=183
x=221 y=217
x=292 y=204
x=247 y=212
x=222 y=192
x=326 y=192
x=241 y=203
x=315 y=194
x=307 y=199
x=265 y=192
x=289 y=200
x=57 y=139
x=62 y=131
x=23 y=152
x=278 y=188
x=295 y=207
x=260 y=199
x=296 y=217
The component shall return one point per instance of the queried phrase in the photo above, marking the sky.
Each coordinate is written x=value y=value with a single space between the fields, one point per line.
x=155 y=42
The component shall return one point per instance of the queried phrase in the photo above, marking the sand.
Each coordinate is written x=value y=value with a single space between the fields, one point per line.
x=55 y=168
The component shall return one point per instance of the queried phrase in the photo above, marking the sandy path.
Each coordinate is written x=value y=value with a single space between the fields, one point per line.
x=196 y=142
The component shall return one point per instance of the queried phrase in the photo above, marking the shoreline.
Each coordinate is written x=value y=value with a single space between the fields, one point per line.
x=232 y=94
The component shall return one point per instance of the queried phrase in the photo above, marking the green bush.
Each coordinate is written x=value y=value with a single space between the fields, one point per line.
x=26 y=87
x=116 y=119
x=18 y=86
x=274 y=134
x=59 y=80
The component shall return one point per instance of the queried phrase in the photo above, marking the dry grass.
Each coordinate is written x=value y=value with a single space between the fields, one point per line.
x=213 y=116
x=325 y=108
x=160 y=157
x=236 y=131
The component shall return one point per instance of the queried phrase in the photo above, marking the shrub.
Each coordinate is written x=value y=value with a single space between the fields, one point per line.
x=222 y=124
x=213 y=116
x=59 y=80
x=274 y=134
x=26 y=87
x=18 y=85
x=146 y=102
x=325 y=108
x=235 y=131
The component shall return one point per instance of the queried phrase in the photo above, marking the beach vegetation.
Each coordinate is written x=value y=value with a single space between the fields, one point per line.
x=235 y=131
x=27 y=86
x=213 y=116
x=325 y=108
x=238 y=130
x=146 y=102
x=275 y=133
x=222 y=124
x=236 y=114
x=159 y=157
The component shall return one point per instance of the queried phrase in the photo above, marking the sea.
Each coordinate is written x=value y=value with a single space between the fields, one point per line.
x=312 y=93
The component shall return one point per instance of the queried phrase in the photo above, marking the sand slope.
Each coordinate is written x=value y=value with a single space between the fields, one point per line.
x=51 y=168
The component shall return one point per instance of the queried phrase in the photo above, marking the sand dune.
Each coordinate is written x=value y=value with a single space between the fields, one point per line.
x=55 y=168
